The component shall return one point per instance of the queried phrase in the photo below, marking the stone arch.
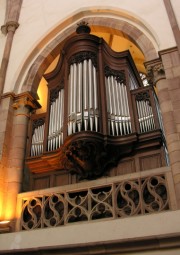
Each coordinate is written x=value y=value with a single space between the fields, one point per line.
x=51 y=50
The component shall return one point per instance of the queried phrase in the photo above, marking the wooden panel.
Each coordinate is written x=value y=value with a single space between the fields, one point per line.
x=150 y=162
x=126 y=167
x=61 y=179
x=41 y=182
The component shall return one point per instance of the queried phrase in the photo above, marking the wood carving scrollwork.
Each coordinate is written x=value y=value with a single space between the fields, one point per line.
x=85 y=158
x=119 y=74
x=143 y=96
x=92 y=157
x=37 y=123
x=55 y=92
x=84 y=55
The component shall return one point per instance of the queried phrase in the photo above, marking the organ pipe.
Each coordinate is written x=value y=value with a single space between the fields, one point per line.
x=95 y=99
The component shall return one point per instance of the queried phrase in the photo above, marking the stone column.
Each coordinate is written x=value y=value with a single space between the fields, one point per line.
x=13 y=8
x=168 y=99
x=22 y=105
x=10 y=28
x=6 y=117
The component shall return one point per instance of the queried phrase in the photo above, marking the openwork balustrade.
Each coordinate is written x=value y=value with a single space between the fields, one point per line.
x=115 y=200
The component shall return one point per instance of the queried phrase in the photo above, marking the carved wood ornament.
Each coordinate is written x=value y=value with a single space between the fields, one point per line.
x=91 y=156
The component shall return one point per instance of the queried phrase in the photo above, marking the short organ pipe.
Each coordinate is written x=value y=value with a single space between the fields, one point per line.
x=55 y=135
x=37 y=141
x=119 y=122
x=145 y=115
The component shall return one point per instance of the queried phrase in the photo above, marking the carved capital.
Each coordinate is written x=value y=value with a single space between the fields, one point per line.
x=25 y=101
x=9 y=26
x=155 y=71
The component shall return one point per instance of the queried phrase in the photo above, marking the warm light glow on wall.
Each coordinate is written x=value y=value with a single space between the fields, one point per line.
x=42 y=93
x=43 y=90
x=119 y=43
x=10 y=210
x=1 y=205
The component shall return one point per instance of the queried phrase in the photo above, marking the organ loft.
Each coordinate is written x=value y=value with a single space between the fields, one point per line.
x=100 y=121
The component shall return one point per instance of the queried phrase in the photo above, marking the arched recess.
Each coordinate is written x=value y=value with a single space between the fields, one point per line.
x=51 y=50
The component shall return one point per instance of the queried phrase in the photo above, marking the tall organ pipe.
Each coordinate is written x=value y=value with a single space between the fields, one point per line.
x=91 y=103
x=95 y=99
x=79 y=97
x=85 y=95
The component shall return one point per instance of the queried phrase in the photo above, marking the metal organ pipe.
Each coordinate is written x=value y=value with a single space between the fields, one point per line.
x=95 y=99
x=117 y=114
x=85 y=95
x=113 y=113
x=122 y=108
x=128 y=121
x=108 y=103
x=74 y=97
x=79 y=97
x=61 y=117
x=119 y=101
x=70 y=103
x=91 y=103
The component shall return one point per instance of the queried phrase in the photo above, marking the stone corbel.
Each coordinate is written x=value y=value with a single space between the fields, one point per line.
x=25 y=101
x=9 y=26
x=155 y=71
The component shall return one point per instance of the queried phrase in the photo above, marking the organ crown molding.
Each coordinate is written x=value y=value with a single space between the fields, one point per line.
x=9 y=26
x=25 y=100
x=83 y=28
x=155 y=71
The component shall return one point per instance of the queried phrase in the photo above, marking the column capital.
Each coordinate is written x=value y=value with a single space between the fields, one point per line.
x=155 y=71
x=25 y=101
x=9 y=26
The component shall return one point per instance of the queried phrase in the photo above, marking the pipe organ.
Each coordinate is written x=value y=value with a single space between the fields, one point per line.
x=99 y=116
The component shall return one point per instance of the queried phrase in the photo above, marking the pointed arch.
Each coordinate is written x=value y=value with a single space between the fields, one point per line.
x=143 y=39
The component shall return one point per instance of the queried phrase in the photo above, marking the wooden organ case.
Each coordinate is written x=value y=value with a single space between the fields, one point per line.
x=100 y=120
